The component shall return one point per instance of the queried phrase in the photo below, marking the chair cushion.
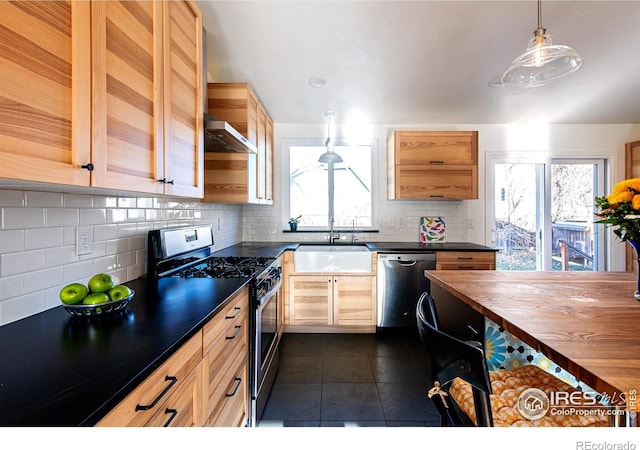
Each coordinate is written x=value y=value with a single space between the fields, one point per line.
x=507 y=386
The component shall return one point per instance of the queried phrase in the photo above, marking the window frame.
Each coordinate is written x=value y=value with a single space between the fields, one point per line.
x=287 y=143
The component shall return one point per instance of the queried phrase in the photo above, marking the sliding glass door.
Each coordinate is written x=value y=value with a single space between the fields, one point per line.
x=543 y=214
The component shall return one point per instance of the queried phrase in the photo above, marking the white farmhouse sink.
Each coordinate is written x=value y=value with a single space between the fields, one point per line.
x=332 y=258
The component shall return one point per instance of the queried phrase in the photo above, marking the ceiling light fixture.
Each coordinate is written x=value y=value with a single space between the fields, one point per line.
x=543 y=62
x=317 y=82
x=330 y=156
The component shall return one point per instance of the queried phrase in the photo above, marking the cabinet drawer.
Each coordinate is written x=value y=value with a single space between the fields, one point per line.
x=233 y=412
x=451 y=182
x=184 y=407
x=225 y=376
x=151 y=395
x=465 y=261
x=232 y=316
x=436 y=147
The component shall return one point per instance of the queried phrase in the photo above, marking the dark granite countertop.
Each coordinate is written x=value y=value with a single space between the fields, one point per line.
x=273 y=249
x=61 y=370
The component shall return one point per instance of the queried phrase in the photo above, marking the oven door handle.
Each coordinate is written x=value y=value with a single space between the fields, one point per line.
x=271 y=293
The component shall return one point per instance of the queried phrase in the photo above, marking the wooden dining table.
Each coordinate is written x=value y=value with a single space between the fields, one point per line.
x=586 y=322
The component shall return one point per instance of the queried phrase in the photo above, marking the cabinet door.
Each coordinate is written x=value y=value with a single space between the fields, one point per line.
x=45 y=96
x=269 y=158
x=310 y=300
x=436 y=147
x=127 y=150
x=184 y=407
x=261 y=164
x=354 y=300
x=183 y=109
x=150 y=397
x=436 y=182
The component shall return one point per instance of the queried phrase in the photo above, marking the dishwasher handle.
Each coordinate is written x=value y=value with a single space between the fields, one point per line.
x=406 y=263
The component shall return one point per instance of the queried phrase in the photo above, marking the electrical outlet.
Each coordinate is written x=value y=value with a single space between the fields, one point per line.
x=84 y=240
x=471 y=224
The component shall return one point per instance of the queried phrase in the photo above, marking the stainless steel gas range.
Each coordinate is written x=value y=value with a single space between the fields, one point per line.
x=186 y=252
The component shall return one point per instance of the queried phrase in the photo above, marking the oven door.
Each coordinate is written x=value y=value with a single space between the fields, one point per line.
x=265 y=354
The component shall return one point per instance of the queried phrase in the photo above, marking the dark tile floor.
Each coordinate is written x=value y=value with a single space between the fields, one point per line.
x=342 y=380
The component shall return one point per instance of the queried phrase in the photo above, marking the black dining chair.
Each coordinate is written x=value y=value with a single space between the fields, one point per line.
x=464 y=392
x=452 y=358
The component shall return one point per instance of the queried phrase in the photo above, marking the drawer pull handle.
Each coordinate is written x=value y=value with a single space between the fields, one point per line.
x=237 y=310
x=468 y=258
x=162 y=394
x=238 y=381
x=238 y=330
x=173 y=412
x=465 y=267
x=436 y=162
x=436 y=196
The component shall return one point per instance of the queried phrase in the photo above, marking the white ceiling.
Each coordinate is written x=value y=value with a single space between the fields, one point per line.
x=431 y=62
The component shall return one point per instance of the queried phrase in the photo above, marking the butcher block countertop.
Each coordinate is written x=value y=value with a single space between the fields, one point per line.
x=586 y=322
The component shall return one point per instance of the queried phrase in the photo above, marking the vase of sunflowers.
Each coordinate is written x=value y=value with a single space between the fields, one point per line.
x=621 y=209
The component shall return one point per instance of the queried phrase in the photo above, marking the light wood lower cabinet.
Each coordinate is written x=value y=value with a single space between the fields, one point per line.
x=225 y=361
x=173 y=386
x=204 y=383
x=332 y=300
x=465 y=260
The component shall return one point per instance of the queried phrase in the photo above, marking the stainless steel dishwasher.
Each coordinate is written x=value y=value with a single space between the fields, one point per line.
x=401 y=280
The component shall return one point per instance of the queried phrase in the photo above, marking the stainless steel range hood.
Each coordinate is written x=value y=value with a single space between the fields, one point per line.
x=221 y=137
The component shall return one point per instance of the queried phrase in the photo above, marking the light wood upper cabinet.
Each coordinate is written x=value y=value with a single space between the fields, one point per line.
x=147 y=61
x=432 y=165
x=116 y=85
x=237 y=177
x=183 y=108
x=45 y=91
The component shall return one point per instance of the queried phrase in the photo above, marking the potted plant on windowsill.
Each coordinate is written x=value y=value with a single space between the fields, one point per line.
x=293 y=223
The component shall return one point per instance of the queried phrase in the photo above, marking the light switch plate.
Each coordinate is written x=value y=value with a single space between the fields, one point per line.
x=84 y=240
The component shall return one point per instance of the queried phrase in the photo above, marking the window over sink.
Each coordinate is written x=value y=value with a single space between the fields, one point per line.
x=313 y=196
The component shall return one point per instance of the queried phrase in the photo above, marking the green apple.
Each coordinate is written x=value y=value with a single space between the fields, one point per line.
x=100 y=283
x=73 y=293
x=119 y=292
x=95 y=298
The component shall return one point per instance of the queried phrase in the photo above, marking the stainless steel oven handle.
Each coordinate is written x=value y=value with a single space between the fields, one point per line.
x=271 y=293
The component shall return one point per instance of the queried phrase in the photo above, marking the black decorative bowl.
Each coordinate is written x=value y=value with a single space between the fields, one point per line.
x=99 y=309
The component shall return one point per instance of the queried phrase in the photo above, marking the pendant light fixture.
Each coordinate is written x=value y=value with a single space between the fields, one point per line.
x=330 y=156
x=543 y=62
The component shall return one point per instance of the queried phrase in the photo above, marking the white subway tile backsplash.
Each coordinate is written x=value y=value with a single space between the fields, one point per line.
x=105 y=232
x=22 y=306
x=11 y=198
x=75 y=272
x=60 y=255
x=43 y=279
x=11 y=286
x=77 y=201
x=95 y=216
x=46 y=199
x=105 y=264
x=116 y=215
x=21 y=262
x=43 y=238
x=62 y=217
x=38 y=240
x=12 y=241
x=20 y=218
